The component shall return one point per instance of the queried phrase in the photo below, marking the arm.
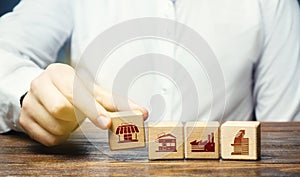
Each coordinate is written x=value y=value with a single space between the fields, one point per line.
x=277 y=72
x=30 y=38
x=35 y=32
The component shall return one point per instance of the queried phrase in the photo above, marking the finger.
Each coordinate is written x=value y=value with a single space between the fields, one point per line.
x=52 y=99
x=64 y=85
x=40 y=115
x=141 y=109
x=115 y=103
x=39 y=134
x=86 y=103
x=83 y=99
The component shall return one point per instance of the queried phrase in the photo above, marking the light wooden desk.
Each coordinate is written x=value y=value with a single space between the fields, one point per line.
x=22 y=156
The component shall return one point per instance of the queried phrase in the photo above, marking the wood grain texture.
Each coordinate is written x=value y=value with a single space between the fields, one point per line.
x=280 y=156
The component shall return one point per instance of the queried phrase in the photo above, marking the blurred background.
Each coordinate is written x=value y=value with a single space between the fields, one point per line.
x=64 y=54
x=8 y=5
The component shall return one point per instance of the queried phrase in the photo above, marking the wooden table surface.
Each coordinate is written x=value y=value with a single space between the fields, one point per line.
x=87 y=153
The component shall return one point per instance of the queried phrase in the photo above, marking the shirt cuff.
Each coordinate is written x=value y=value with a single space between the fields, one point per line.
x=16 y=74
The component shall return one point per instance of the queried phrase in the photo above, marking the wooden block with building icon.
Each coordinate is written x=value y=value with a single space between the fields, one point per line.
x=127 y=130
x=166 y=140
x=240 y=140
x=202 y=140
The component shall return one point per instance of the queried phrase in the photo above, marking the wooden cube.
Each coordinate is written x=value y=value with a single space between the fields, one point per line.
x=127 y=130
x=202 y=140
x=240 y=140
x=165 y=140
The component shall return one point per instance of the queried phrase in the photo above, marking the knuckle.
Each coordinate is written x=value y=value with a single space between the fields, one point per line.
x=52 y=67
x=58 y=66
x=58 y=130
x=55 y=140
x=52 y=141
x=58 y=109
x=61 y=109
x=34 y=85
x=26 y=104
x=22 y=122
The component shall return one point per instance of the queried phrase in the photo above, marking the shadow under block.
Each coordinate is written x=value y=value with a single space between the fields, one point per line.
x=165 y=140
x=240 y=140
x=202 y=140
x=127 y=130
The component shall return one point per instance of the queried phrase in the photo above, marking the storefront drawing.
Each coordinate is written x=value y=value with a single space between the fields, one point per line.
x=167 y=143
x=127 y=132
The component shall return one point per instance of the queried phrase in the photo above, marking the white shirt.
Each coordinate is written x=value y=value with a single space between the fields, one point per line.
x=256 y=43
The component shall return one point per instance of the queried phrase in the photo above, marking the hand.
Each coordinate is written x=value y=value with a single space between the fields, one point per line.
x=48 y=111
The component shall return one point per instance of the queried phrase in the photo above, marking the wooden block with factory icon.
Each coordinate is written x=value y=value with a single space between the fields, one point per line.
x=165 y=140
x=202 y=140
x=127 y=130
x=240 y=140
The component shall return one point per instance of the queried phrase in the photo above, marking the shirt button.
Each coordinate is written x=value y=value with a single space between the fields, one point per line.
x=164 y=91
x=173 y=1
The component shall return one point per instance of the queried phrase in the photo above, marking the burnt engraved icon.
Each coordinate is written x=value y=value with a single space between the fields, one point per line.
x=127 y=133
x=167 y=143
x=204 y=146
x=241 y=144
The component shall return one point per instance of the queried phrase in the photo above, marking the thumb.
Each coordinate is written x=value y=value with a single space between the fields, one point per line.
x=115 y=103
x=85 y=102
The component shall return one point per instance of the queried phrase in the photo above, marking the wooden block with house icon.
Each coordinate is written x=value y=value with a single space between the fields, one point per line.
x=240 y=140
x=202 y=140
x=127 y=130
x=165 y=140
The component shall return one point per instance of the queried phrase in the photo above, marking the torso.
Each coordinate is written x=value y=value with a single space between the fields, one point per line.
x=231 y=28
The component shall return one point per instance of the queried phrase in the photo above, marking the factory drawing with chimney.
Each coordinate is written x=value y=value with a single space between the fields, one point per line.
x=204 y=145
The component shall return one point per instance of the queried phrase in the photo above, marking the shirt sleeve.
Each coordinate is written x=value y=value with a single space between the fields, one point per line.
x=277 y=73
x=30 y=38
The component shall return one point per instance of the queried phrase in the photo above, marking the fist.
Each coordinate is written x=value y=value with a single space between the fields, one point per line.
x=48 y=110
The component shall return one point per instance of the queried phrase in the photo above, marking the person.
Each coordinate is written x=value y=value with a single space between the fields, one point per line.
x=256 y=43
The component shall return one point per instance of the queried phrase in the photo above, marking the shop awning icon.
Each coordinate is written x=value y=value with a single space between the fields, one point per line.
x=126 y=131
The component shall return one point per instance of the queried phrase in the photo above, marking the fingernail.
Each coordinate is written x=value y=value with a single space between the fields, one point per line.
x=145 y=113
x=103 y=122
x=142 y=109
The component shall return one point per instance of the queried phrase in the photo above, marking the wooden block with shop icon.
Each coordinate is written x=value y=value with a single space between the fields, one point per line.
x=202 y=140
x=127 y=130
x=240 y=140
x=165 y=140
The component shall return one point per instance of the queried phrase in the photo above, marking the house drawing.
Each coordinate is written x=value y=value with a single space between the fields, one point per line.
x=127 y=132
x=167 y=143
x=204 y=146
x=241 y=144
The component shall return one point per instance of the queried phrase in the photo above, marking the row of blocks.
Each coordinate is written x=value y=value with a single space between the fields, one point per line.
x=240 y=140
